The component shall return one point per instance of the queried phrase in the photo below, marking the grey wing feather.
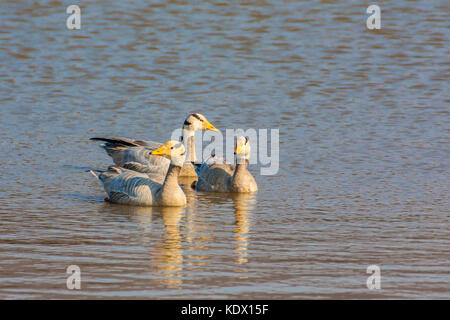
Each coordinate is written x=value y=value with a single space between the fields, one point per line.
x=107 y=176
x=129 y=142
x=216 y=162
x=137 y=152
x=118 y=197
x=129 y=187
x=214 y=177
x=139 y=167
x=154 y=175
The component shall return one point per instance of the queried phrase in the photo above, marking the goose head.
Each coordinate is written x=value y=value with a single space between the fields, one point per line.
x=197 y=122
x=172 y=150
x=242 y=150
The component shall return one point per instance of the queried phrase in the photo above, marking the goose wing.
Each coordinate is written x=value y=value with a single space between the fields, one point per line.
x=215 y=161
x=155 y=167
x=129 y=142
x=135 y=154
x=214 y=175
x=129 y=187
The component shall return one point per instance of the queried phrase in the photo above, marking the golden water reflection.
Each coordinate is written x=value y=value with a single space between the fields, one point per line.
x=167 y=256
x=188 y=239
x=243 y=205
x=166 y=253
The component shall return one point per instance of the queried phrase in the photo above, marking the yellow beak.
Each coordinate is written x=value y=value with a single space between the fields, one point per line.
x=160 y=151
x=209 y=126
x=238 y=149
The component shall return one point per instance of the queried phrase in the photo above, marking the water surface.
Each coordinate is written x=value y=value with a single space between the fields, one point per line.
x=364 y=148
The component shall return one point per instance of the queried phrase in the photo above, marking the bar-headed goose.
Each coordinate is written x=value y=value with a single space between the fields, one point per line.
x=137 y=154
x=221 y=177
x=125 y=186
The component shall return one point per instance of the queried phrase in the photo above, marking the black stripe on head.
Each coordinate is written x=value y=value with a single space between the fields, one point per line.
x=186 y=123
x=195 y=115
x=246 y=140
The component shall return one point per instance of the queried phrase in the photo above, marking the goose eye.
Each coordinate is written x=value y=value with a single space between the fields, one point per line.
x=171 y=148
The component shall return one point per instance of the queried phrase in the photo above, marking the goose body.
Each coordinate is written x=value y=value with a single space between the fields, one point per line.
x=136 y=154
x=217 y=176
x=129 y=187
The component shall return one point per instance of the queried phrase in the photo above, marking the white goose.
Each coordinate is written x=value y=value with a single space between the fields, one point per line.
x=137 y=154
x=129 y=187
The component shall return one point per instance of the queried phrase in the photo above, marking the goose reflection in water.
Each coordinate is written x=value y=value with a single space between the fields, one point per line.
x=166 y=254
x=177 y=249
x=243 y=205
x=167 y=258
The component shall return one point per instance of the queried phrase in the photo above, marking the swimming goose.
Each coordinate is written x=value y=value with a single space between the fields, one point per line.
x=217 y=176
x=137 y=155
x=125 y=186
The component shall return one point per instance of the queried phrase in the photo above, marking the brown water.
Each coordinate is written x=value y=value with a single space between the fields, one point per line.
x=364 y=146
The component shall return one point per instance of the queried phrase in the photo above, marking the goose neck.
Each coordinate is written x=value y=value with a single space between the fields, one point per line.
x=189 y=145
x=172 y=176
x=241 y=167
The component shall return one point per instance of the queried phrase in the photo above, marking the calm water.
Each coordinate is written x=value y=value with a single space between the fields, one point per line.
x=364 y=146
